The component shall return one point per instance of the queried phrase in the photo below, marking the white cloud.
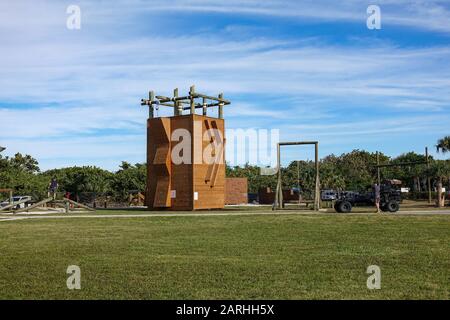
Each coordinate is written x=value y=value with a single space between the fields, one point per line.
x=70 y=83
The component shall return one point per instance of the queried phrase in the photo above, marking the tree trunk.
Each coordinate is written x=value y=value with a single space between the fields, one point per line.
x=440 y=196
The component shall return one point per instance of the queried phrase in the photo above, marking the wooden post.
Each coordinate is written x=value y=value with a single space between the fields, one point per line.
x=191 y=94
x=175 y=103
x=204 y=106
x=279 y=190
x=317 y=195
x=298 y=182
x=221 y=106
x=10 y=196
x=151 y=97
x=428 y=176
x=378 y=169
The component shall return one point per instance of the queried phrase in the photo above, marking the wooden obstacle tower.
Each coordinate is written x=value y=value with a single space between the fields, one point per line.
x=185 y=153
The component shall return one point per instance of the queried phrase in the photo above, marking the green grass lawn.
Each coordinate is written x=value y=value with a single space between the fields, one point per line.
x=227 y=257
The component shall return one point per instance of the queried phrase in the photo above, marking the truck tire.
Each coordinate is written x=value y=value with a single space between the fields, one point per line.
x=336 y=205
x=345 y=207
x=392 y=206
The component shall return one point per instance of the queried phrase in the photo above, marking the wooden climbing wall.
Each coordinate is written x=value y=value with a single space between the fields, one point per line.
x=209 y=178
x=186 y=186
x=159 y=164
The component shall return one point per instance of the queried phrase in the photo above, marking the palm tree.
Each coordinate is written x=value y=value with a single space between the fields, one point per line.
x=443 y=145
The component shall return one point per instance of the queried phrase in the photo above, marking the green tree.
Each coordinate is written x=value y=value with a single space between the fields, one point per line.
x=357 y=168
x=25 y=163
x=20 y=174
x=77 y=180
x=411 y=176
x=440 y=170
x=443 y=145
x=129 y=178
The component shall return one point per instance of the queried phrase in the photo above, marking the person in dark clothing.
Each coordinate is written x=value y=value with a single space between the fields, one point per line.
x=377 y=195
x=52 y=187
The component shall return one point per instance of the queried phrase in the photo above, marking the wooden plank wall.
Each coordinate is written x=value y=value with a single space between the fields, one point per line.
x=158 y=163
x=191 y=186
x=209 y=179
x=182 y=185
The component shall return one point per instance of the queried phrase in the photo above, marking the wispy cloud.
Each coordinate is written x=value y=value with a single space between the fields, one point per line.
x=77 y=85
x=420 y=14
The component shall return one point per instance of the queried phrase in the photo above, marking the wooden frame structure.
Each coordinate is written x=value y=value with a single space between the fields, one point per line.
x=193 y=184
x=189 y=102
x=279 y=190
x=67 y=204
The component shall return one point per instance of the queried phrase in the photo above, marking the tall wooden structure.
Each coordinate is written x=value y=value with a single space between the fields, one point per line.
x=185 y=153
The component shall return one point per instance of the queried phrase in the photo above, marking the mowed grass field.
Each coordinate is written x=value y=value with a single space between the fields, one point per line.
x=227 y=257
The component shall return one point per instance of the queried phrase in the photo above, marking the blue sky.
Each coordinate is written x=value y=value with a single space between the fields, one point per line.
x=311 y=69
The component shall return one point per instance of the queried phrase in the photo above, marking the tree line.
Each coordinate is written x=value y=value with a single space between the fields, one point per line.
x=355 y=170
x=349 y=171
x=23 y=175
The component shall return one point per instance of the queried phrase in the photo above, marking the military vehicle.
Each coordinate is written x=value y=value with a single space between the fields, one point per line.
x=390 y=198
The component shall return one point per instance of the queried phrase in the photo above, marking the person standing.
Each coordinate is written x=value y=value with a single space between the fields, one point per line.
x=52 y=188
x=377 y=195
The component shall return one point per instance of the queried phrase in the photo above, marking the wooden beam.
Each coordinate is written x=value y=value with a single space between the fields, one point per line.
x=219 y=99
x=176 y=103
x=79 y=205
x=204 y=106
x=151 y=97
x=191 y=93
x=220 y=106
x=38 y=204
